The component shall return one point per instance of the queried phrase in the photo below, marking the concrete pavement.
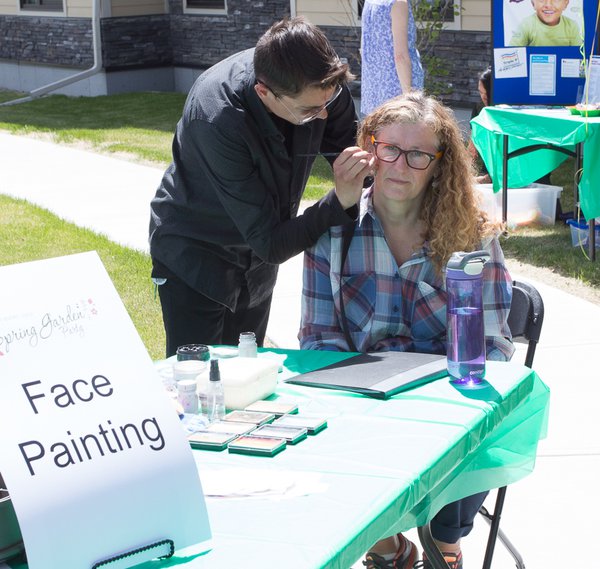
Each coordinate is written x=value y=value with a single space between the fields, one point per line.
x=550 y=515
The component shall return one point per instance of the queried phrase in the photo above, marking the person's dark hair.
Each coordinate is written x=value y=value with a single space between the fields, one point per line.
x=294 y=54
x=486 y=81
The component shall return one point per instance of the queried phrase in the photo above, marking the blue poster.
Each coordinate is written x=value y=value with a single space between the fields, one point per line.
x=540 y=50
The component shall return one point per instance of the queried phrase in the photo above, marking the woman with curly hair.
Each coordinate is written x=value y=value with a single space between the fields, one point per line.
x=387 y=292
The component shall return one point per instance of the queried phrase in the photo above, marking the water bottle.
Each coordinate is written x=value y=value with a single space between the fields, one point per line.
x=215 y=398
x=247 y=345
x=466 y=337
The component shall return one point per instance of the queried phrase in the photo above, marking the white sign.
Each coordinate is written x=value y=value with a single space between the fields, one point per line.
x=510 y=62
x=92 y=451
x=570 y=68
x=542 y=74
x=591 y=92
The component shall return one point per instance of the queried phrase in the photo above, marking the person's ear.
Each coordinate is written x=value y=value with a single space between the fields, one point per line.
x=261 y=90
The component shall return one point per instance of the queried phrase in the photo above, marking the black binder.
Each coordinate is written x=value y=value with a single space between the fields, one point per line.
x=377 y=374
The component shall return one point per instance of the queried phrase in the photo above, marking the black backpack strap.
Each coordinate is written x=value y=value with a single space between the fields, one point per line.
x=347 y=234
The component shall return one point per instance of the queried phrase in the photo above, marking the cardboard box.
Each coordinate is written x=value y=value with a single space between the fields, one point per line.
x=535 y=203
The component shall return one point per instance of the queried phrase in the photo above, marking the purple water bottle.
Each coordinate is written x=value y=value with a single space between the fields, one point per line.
x=466 y=338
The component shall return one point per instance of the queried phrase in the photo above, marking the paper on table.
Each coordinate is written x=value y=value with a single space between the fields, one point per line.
x=254 y=483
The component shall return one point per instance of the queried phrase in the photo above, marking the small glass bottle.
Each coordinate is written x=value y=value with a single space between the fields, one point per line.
x=466 y=335
x=215 y=398
x=247 y=345
x=187 y=396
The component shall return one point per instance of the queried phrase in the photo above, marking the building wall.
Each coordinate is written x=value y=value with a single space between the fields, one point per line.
x=8 y=7
x=47 y=40
x=186 y=43
x=476 y=16
x=136 y=42
x=467 y=54
x=203 y=40
x=329 y=12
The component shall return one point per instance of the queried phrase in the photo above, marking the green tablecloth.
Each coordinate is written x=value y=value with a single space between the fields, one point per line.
x=383 y=467
x=526 y=127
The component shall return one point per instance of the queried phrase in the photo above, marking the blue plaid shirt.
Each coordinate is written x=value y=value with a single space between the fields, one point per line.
x=390 y=307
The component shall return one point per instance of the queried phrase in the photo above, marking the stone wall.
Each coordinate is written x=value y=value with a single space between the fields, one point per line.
x=43 y=40
x=467 y=54
x=346 y=42
x=201 y=41
x=136 y=41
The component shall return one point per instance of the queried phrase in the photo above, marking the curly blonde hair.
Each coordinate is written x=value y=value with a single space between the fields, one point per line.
x=451 y=212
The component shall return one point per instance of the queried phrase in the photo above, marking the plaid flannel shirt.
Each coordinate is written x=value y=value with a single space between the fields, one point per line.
x=389 y=307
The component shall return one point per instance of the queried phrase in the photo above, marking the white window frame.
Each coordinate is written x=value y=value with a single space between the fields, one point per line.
x=205 y=11
x=41 y=13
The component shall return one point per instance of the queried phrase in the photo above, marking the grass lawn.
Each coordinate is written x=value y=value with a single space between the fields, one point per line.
x=30 y=233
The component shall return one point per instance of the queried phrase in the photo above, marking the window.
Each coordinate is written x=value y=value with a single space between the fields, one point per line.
x=207 y=5
x=42 y=5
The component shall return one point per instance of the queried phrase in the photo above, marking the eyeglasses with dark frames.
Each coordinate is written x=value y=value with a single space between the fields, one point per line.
x=313 y=115
x=415 y=159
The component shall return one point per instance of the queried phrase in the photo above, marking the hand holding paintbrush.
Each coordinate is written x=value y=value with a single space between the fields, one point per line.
x=350 y=169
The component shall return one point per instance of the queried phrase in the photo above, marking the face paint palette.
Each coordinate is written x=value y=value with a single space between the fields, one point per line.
x=253 y=417
x=292 y=435
x=258 y=446
x=312 y=424
x=205 y=440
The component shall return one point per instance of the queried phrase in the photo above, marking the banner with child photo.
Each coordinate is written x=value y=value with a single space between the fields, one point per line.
x=541 y=50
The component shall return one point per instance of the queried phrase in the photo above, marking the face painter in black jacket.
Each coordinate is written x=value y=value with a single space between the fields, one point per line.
x=225 y=213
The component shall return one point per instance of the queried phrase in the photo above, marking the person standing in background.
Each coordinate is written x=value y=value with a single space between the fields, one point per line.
x=390 y=61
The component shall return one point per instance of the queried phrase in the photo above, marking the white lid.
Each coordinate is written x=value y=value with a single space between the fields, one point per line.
x=189 y=366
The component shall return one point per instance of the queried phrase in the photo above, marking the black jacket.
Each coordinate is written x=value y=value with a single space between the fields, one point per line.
x=225 y=212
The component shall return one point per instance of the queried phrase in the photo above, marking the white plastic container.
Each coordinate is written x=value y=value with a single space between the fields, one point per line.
x=245 y=380
x=535 y=203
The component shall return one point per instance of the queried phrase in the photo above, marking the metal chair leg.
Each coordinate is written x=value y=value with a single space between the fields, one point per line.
x=495 y=532
x=433 y=553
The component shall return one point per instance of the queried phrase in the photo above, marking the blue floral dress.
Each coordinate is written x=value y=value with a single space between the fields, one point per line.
x=379 y=79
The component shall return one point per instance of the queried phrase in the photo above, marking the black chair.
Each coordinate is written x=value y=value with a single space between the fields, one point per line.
x=525 y=322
